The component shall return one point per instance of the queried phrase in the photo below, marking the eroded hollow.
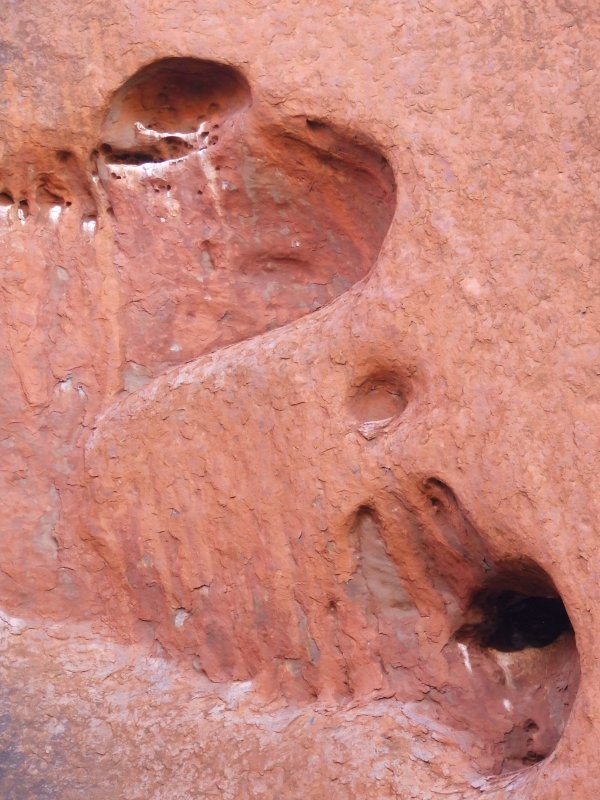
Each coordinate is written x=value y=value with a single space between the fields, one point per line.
x=510 y=671
x=513 y=665
x=262 y=218
x=520 y=649
x=377 y=401
x=168 y=107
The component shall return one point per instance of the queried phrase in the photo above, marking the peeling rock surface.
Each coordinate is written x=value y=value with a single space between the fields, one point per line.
x=300 y=410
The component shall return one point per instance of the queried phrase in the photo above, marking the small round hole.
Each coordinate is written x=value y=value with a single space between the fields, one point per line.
x=380 y=397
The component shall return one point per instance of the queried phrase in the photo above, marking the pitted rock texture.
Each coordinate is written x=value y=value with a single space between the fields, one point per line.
x=299 y=418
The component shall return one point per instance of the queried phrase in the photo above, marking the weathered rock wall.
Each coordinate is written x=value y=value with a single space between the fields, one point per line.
x=300 y=359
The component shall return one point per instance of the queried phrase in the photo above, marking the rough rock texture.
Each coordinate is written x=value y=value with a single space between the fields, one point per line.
x=300 y=409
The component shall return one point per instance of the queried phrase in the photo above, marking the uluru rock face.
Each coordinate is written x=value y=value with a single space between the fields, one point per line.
x=255 y=220
x=299 y=427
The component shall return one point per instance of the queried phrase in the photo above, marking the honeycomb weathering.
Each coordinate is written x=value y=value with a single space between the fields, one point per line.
x=298 y=429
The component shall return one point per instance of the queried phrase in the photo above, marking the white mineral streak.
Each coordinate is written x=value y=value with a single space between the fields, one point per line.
x=466 y=657
x=505 y=662
x=149 y=135
x=89 y=226
x=54 y=213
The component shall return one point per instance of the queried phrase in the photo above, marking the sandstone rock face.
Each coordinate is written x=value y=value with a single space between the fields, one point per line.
x=300 y=414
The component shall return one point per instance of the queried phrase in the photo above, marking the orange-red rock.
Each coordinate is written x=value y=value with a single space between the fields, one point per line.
x=299 y=421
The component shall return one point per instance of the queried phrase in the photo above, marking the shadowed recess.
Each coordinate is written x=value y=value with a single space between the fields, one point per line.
x=250 y=219
x=522 y=653
x=152 y=115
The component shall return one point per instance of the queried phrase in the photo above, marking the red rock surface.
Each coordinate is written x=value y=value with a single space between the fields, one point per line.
x=299 y=422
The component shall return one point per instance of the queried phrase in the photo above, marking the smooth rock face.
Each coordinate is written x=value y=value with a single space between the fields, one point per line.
x=299 y=422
